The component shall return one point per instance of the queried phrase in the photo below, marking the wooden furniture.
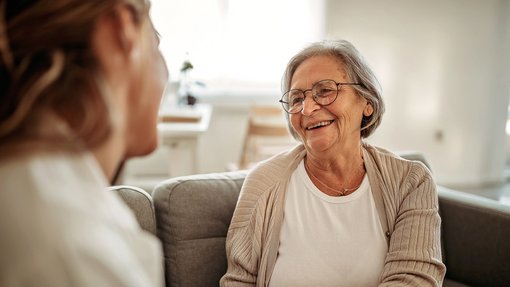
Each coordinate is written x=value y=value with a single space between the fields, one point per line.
x=266 y=134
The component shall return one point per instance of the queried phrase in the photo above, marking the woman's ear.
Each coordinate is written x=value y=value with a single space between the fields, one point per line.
x=369 y=110
x=127 y=30
x=115 y=39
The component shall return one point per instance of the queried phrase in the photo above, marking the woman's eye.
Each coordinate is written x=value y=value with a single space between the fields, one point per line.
x=324 y=92
x=296 y=100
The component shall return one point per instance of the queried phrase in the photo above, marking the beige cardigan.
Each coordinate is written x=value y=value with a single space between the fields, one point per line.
x=406 y=200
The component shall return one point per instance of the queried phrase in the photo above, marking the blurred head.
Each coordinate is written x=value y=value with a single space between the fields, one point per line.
x=73 y=73
x=349 y=60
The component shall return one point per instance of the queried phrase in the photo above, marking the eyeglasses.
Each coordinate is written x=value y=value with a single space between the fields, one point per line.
x=324 y=93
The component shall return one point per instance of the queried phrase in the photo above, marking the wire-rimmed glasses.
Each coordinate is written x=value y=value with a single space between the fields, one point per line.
x=324 y=93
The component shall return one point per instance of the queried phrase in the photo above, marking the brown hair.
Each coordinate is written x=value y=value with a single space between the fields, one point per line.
x=47 y=67
x=357 y=71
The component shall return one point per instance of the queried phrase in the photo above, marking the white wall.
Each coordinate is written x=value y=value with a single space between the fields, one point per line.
x=445 y=71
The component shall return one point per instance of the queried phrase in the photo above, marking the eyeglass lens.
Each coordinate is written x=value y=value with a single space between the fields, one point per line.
x=323 y=93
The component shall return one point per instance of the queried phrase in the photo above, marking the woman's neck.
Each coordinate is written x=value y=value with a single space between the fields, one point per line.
x=109 y=155
x=340 y=160
x=340 y=170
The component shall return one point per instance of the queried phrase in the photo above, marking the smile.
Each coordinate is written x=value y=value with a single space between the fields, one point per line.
x=319 y=125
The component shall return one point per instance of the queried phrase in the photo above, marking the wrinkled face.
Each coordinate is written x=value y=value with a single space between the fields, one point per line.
x=148 y=83
x=331 y=127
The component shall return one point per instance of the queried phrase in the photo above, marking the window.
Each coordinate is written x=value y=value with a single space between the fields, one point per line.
x=236 y=44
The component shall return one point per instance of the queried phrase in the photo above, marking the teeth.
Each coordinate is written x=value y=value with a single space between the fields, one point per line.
x=321 y=124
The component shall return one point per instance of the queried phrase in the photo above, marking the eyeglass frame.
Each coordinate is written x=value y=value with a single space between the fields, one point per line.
x=314 y=96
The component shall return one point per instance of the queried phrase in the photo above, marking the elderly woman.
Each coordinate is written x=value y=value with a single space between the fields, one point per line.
x=334 y=211
x=80 y=86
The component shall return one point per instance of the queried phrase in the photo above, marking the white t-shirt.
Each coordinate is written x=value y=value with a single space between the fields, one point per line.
x=326 y=240
x=60 y=227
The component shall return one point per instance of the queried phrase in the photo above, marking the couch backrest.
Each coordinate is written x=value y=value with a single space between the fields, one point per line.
x=193 y=214
x=476 y=238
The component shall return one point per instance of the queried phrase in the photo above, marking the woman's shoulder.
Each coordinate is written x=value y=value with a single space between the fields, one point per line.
x=59 y=188
x=393 y=164
x=279 y=165
x=51 y=179
x=61 y=192
x=263 y=184
x=275 y=170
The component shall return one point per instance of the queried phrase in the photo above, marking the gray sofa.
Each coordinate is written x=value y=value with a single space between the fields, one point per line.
x=193 y=214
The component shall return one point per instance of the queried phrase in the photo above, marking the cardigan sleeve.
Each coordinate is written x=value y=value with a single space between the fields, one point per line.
x=253 y=235
x=414 y=253
x=242 y=243
x=240 y=270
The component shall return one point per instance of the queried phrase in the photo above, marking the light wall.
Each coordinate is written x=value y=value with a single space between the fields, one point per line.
x=445 y=71
x=444 y=67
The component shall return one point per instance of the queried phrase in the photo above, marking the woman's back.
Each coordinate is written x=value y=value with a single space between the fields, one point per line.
x=59 y=222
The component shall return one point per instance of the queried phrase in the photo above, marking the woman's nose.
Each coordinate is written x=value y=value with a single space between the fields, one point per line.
x=309 y=105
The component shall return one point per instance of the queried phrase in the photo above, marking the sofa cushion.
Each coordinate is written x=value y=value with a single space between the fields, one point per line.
x=476 y=238
x=193 y=214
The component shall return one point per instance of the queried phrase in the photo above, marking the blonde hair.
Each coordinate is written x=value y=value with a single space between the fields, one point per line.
x=47 y=67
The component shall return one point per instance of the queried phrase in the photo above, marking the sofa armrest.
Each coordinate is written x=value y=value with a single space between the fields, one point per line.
x=476 y=238
x=140 y=202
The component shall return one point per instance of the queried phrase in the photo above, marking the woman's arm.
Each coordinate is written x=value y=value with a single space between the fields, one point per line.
x=243 y=243
x=240 y=271
x=414 y=254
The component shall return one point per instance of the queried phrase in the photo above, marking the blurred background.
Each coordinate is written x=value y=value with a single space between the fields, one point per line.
x=444 y=67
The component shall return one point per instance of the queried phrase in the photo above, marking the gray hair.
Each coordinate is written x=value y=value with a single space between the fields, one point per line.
x=357 y=71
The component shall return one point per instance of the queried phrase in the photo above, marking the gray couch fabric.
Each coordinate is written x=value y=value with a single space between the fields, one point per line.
x=475 y=238
x=140 y=202
x=193 y=214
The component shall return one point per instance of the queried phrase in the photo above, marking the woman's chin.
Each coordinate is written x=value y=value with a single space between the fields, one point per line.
x=142 y=148
x=318 y=145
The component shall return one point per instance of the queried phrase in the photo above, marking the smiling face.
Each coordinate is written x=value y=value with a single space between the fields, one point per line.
x=333 y=127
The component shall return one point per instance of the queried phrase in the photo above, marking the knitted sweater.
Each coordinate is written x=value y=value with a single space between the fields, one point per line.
x=406 y=201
